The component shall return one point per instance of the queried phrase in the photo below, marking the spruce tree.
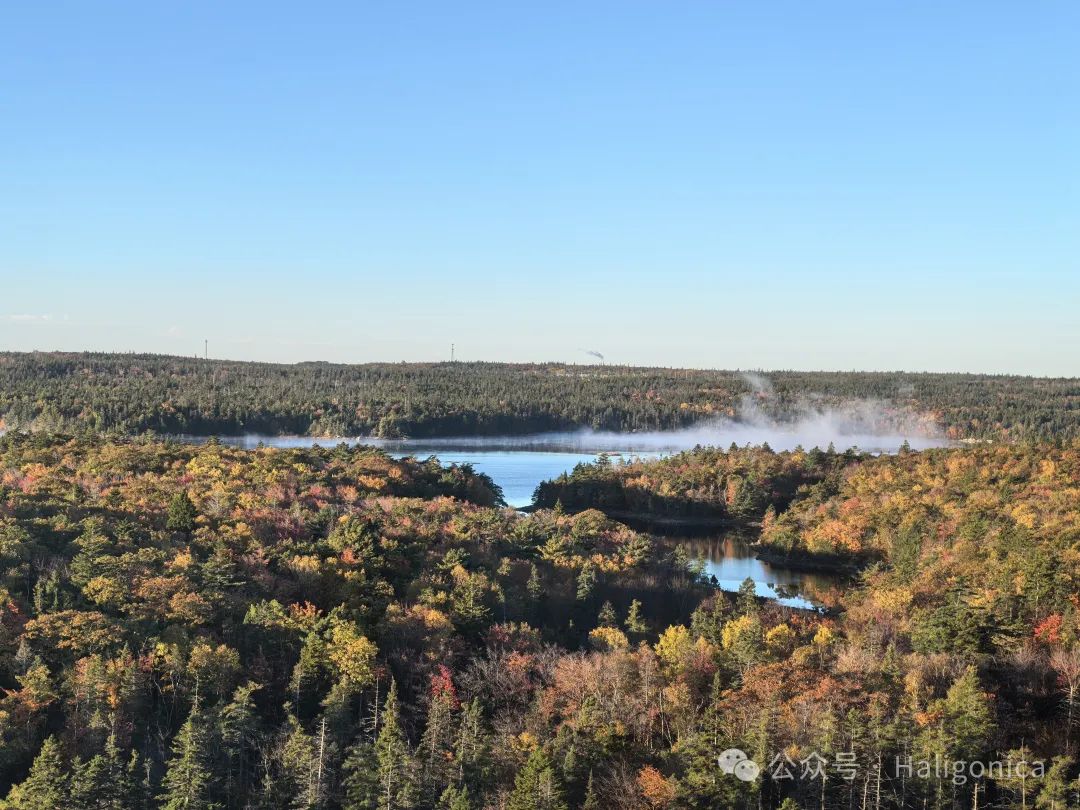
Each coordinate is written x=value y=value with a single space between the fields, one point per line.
x=536 y=786
x=239 y=730
x=746 y=603
x=535 y=585
x=586 y=581
x=47 y=785
x=103 y=783
x=396 y=788
x=189 y=778
x=590 y=802
x=182 y=513
x=361 y=783
x=1054 y=794
x=634 y=623
x=968 y=718
x=472 y=749
x=455 y=798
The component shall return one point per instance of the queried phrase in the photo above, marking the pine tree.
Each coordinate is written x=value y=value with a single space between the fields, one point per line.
x=968 y=718
x=634 y=623
x=536 y=786
x=590 y=802
x=103 y=783
x=361 y=784
x=396 y=786
x=455 y=798
x=607 y=616
x=182 y=513
x=239 y=724
x=47 y=785
x=189 y=779
x=586 y=581
x=1054 y=794
x=472 y=750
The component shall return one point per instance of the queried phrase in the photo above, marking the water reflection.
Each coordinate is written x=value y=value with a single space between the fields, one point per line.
x=731 y=559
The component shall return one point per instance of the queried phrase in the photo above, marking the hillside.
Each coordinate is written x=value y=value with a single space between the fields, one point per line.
x=203 y=626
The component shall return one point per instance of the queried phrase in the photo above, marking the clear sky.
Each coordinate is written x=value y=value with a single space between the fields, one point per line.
x=872 y=185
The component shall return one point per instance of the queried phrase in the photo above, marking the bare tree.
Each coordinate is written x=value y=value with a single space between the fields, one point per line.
x=1066 y=663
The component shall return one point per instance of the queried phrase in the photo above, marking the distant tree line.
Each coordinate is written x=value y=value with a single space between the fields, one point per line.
x=130 y=393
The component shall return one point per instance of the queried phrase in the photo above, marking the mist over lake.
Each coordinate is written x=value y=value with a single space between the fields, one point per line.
x=519 y=463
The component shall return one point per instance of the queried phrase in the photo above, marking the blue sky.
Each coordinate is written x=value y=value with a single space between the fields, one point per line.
x=888 y=185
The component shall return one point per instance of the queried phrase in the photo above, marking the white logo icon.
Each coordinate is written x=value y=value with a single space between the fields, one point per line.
x=735 y=761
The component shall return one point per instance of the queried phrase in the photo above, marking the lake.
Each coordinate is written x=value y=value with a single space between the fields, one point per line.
x=518 y=464
x=730 y=559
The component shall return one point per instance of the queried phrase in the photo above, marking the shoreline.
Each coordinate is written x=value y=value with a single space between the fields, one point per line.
x=808 y=562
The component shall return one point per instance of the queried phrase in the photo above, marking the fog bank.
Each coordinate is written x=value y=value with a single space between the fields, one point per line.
x=869 y=426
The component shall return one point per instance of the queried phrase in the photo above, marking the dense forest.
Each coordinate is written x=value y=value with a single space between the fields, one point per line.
x=130 y=393
x=206 y=627
x=736 y=485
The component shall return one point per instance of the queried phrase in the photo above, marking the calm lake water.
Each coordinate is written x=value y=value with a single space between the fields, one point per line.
x=518 y=465
x=730 y=559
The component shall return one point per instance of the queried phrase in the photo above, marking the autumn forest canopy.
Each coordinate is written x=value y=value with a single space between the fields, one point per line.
x=196 y=626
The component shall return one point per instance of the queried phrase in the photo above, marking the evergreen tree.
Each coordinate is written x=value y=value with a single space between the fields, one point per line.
x=968 y=717
x=361 y=783
x=182 y=513
x=1054 y=794
x=634 y=623
x=1018 y=780
x=239 y=730
x=536 y=786
x=468 y=610
x=103 y=783
x=607 y=616
x=591 y=801
x=746 y=602
x=472 y=750
x=535 y=586
x=189 y=782
x=47 y=785
x=396 y=786
x=586 y=581
x=455 y=798
x=303 y=765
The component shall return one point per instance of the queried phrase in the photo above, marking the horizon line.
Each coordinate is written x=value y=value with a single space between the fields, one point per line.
x=604 y=365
